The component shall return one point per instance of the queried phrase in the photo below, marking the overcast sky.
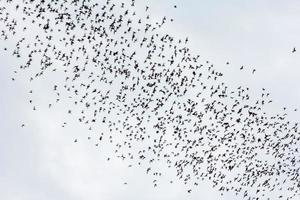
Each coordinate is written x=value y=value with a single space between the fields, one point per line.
x=40 y=161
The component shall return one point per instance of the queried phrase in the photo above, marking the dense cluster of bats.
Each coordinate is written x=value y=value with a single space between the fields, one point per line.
x=158 y=100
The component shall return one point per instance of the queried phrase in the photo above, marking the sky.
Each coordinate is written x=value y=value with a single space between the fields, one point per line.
x=41 y=161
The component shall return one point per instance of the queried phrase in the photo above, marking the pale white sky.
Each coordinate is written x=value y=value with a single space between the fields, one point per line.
x=40 y=161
